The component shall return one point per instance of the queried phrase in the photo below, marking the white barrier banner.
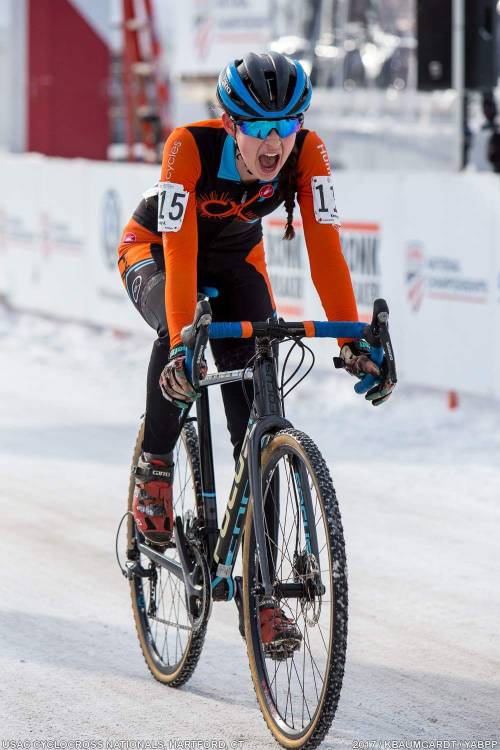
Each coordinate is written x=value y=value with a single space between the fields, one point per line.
x=448 y=247
x=114 y=191
x=427 y=243
x=207 y=33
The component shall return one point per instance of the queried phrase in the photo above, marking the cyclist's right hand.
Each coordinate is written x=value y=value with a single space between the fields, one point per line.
x=356 y=356
x=174 y=381
x=357 y=361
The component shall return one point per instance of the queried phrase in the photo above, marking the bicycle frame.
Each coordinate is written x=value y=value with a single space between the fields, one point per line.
x=266 y=418
x=222 y=545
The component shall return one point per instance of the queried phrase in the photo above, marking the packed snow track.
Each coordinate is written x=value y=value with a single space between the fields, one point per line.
x=419 y=491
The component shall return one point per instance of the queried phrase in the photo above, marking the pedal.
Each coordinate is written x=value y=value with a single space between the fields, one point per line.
x=283 y=649
x=134 y=569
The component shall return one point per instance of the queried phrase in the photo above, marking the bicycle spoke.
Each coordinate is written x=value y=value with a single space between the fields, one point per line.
x=313 y=661
x=283 y=533
x=288 y=695
x=306 y=638
x=295 y=515
x=304 y=700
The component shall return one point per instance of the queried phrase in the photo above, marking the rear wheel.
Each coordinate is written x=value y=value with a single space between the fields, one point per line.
x=298 y=689
x=170 y=639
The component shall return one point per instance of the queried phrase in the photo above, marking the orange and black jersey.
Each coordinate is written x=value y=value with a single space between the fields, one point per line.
x=222 y=221
x=228 y=210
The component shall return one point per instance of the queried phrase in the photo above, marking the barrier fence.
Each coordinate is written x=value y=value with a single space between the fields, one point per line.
x=427 y=242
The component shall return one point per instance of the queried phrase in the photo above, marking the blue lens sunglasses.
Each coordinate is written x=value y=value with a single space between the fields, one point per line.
x=261 y=128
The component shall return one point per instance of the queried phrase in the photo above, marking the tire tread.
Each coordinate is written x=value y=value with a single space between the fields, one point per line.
x=334 y=677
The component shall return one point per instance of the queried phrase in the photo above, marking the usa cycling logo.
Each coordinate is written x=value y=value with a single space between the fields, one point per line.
x=415 y=275
x=441 y=277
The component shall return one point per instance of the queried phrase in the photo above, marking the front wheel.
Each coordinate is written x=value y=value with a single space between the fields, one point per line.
x=298 y=689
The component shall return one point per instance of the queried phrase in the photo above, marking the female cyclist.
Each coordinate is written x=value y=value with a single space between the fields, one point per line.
x=202 y=227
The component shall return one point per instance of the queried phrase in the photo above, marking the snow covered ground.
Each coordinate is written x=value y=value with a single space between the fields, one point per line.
x=419 y=488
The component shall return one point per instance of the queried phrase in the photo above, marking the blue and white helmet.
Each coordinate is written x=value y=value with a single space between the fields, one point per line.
x=269 y=85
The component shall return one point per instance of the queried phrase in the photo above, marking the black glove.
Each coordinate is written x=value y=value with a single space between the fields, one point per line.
x=174 y=381
x=368 y=364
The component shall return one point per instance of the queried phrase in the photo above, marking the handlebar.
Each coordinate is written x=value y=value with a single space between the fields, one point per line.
x=195 y=336
x=308 y=328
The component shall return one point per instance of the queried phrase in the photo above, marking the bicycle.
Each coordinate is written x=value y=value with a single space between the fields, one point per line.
x=284 y=504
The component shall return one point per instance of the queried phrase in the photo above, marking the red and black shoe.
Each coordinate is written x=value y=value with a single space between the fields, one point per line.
x=279 y=634
x=153 y=497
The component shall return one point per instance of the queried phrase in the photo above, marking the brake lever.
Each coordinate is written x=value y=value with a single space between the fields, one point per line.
x=377 y=334
x=195 y=339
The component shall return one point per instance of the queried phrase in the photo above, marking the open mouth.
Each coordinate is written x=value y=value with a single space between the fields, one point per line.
x=269 y=162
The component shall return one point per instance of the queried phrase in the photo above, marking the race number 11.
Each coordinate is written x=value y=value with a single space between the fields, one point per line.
x=172 y=202
x=325 y=209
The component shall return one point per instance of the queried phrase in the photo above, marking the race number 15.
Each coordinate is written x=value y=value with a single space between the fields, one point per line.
x=172 y=202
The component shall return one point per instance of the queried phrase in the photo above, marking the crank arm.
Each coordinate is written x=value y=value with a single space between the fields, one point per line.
x=184 y=570
x=164 y=562
x=187 y=566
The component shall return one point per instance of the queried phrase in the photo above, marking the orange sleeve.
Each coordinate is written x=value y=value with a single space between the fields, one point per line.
x=329 y=270
x=181 y=164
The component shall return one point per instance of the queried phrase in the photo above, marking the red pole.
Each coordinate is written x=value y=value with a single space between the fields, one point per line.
x=130 y=55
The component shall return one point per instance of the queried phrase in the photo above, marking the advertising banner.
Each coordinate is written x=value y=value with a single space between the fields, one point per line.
x=113 y=192
x=429 y=244
x=286 y=264
x=209 y=33
x=60 y=225
x=41 y=234
x=448 y=246
x=369 y=208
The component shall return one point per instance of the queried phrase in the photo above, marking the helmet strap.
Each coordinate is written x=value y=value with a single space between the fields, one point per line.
x=239 y=154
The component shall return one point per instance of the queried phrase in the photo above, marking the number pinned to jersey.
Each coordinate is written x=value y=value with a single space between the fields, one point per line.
x=172 y=202
x=325 y=209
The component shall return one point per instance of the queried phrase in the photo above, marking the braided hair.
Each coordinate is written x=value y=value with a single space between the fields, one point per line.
x=288 y=188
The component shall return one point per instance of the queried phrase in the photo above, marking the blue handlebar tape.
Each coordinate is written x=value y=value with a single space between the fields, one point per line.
x=322 y=328
x=338 y=330
x=225 y=330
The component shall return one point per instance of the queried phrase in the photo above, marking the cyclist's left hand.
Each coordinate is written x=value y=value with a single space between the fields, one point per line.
x=174 y=380
x=358 y=358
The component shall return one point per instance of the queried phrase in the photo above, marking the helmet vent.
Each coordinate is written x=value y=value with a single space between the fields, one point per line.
x=271 y=86
x=251 y=89
x=290 y=88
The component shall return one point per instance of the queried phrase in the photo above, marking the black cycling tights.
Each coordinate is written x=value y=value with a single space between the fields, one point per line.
x=243 y=295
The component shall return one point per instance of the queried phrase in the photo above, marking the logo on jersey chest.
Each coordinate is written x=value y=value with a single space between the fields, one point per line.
x=214 y=205
x=266 y=191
